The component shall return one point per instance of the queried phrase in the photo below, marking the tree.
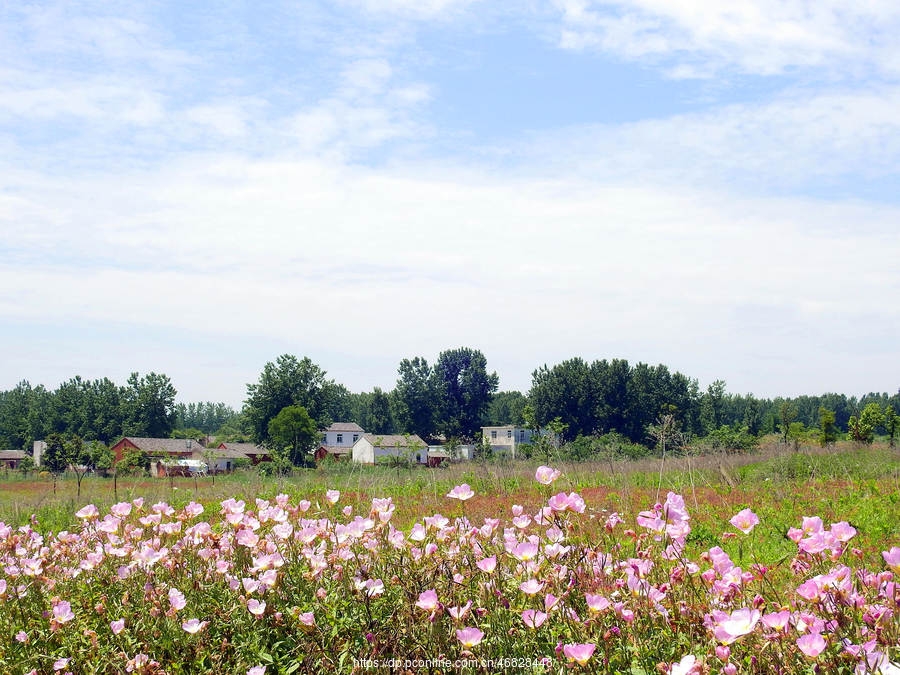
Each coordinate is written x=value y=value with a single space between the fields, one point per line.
x=149 y=406
x=712 y=406
x=862 y=430
x=57 y=456
x=465 y=390
x=827 y=426
x=752 y=419
x=787 y=412
x=288 y=382
x=890 y=423
x=374 y=414
x=416 y=398
x=93 y=456
x=295 y=430
x=506 y=408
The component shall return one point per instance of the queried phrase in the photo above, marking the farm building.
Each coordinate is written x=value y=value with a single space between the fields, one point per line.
x=369 y=447
x=256 y=453
x=11 y=459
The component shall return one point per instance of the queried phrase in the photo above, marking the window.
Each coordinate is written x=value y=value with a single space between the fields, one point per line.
x=493 y=434
x=419 y=458
x=355 y=437
x=522 y=435
x=340 y=438
x=509 y=433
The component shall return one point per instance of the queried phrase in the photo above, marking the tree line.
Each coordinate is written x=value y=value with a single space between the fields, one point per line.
x=453 y=397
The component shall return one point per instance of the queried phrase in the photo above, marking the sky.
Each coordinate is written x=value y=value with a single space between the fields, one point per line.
x=197 y=188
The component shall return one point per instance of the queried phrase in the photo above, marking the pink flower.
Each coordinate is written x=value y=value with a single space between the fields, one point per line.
x=469 y=637
x=738 y=624
x=255 y=607
x=545 y=475
x=121 y=510
x=533 y=618
x=194 y=626
x=61 y=664
x=460 y=613
x=117 y=626
x=307 y=619
x=563 y=502
x=686 y=666
x=428 y=600
x=597 y=603
x=62 y=612
x=490 y=564
x=777 y=620
x=88 y=512
x=745 y=521
x=21 y=636
x=332 y=496
x=811 y=645
x=461 y=492
x=579 y=653
x=257 y=670
x=892 y=559
x=176 y=599
x=531 y=587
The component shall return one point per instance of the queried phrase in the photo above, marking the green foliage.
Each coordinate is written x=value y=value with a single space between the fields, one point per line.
x=787 y=413
x=148 y=405
x=241 y=463
x=373 y=411
x=862 y=430
x=288 y=382
x=417 y=398
x=465 y=390
x=133 y=461
x=58 y=454
x=294 y=429
x=735 y=437
x=95 y=456
x=712 y=407
x=828 y=435
x=194 y=434
x=507 y=407
x=206 y=418
x=891 y=421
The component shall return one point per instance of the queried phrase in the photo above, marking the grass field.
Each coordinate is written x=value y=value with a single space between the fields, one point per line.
x=346 y=568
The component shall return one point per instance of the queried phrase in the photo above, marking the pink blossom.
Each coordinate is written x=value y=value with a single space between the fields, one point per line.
x=255 y=607
x=332 y=496
x=62 y=612
x=117 y=626
x=177 y=599
x=745 y=521
x=563 y=502
x=488 y=564
x=257 y=670
x=121 y=510
x=533 y=618
x=811 y=645
x=531 y=587
x=461 y=492
x=460 y=613
x=579 y=653
x=194 y=626
x=469 y=637
x=60 y=664
x=686 y=666
x=428 y=600
x=777 y=620
x=21 y=636
x=88 y=512
x=892 y=559
x=597 y=603
x=307 y=619
x=545 y=475
x=739 y=623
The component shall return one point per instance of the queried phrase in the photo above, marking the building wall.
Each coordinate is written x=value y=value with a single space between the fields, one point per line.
x=348 y=438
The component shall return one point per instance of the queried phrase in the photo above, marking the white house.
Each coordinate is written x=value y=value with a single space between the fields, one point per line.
x=369 y=447
x=507 y=437
x=342 y=434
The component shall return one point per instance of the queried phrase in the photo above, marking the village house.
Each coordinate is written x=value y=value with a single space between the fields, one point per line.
x=369 y=447
x=507 y=438
x=157 y=447
x=337 y=440
x=10 y=459
x=256 y=453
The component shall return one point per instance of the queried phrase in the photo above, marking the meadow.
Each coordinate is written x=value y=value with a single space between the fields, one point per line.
x=777 y=561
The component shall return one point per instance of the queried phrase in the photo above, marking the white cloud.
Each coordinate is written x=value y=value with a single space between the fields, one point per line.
x=763 y=37
x=391 y=264
x=795 y=141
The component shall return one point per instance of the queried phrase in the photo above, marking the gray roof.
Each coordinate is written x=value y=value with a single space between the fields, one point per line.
x=337 y=449
x=219 y=453
x=13 y=454
x=248 y=449
x=391 y=441
x=345 y=426
x=164 y=446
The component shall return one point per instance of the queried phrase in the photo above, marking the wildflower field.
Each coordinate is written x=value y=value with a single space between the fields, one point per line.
x=549 y=578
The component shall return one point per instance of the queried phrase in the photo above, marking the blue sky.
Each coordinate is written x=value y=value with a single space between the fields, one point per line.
x=197 y=189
